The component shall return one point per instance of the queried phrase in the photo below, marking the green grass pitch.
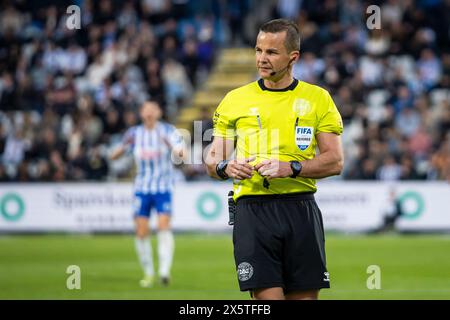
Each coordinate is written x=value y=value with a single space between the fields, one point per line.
x=34 y=267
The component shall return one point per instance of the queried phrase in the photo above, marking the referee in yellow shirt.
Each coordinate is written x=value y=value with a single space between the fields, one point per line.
x=274 y=125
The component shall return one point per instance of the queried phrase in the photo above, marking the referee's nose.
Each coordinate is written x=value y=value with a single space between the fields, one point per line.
x=263 y=63
x=262 y=58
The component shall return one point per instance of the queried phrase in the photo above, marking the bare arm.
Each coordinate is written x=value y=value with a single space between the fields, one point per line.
x=222 y=149
x=329 y=162
x=117 y=153
x=178 y=152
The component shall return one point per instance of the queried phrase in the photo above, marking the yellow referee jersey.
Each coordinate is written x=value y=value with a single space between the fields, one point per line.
x=276 y=124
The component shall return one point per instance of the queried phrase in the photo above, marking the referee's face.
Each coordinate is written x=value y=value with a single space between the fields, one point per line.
x=271 y=54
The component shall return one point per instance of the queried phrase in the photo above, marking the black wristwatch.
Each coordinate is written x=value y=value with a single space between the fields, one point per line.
x=220 y=169
x=296 y=167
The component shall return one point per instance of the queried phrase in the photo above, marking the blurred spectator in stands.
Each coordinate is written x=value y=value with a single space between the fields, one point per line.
x=7 y=92
x=50 y=58
x=390 y=170
x=127 y=16
x=3 y=175
x=22 y=172
x=372 y=71
x=61 y=95
x=155 y=84
x=112 y=123
x=206 y=46
x=77 y=159
x=74 y=59
x=350 y=13
x=392 y=12
x=130 y=118
x=16 y=146
x=378 y=43
x=11 y=19
x=408 y=122
x=156 y=11
x=408 y=170
x=58 y=166
x=443 y=123
x=234 y=12
x=96 y=165
x=91 y=126
x=45 y=143
x=309 y=68
x=177 y=86
x=28 y=97
x=439 y=167
x=43 y=170
x=3 y=137
x=420 y=143
x=429 y=69
x=190 y=60
x=98 y=71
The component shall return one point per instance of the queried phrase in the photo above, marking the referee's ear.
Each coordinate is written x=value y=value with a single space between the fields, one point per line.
x=295 y=56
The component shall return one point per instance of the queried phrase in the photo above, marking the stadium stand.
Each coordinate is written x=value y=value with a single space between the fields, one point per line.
x=67 y=95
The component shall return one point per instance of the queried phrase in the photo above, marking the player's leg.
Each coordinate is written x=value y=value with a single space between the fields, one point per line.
x=166 y=243
x=303 y=295
x=142 y=239
x=268 y=294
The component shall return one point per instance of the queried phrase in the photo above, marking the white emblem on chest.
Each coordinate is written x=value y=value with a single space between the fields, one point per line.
x=303 y=137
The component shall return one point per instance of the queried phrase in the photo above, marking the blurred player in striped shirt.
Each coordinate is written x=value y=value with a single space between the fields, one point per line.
x=154 y=144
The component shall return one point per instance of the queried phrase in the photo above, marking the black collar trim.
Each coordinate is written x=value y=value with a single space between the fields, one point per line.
x=291 y=87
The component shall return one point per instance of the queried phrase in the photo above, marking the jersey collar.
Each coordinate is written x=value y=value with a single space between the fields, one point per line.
x=291 y=87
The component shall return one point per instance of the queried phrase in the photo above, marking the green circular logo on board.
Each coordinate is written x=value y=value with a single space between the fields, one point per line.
x=209 y=205
x=415 y=197
x=12 y=207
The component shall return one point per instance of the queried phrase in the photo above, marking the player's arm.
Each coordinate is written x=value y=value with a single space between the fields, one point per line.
x=177 y=147
x=176 y=150
x=222 y=149
x=179 y=154
x=118 y=152
x=329 y=162
x=127 y=143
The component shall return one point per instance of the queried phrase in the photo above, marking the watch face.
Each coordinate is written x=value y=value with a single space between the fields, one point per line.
x=221 y=169
x=296 y=166
x=222 y=165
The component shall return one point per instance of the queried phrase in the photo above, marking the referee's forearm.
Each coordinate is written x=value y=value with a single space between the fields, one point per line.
x=324 y=165
x=211 y=170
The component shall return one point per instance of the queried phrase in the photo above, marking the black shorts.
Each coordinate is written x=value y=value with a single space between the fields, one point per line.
x=279 y=242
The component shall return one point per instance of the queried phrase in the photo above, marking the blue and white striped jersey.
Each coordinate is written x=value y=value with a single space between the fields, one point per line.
x=152 y=154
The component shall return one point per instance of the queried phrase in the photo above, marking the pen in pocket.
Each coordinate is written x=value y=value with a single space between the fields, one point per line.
x=259 y=121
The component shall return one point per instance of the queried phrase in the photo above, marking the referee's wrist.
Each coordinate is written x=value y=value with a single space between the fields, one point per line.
x=220 y=169
x=296 y=167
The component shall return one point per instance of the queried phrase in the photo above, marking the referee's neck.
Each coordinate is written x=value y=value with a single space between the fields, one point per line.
x=282 y=83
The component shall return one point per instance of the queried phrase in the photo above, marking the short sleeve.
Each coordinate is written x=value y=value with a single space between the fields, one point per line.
x=175 y=138
x=129 y=138
x=223 y=122
x=330 y=120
